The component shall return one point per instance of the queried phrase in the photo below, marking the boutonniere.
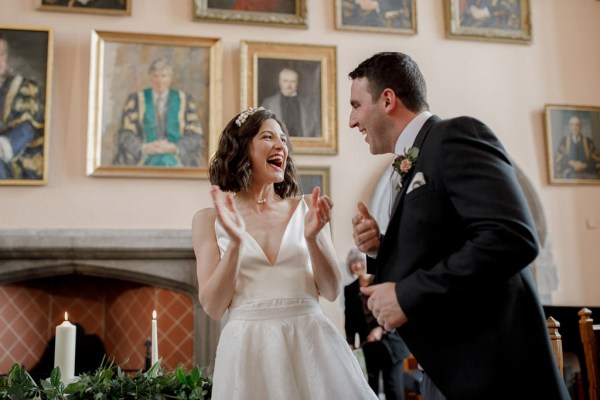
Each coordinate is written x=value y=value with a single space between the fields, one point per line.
x=404 y=163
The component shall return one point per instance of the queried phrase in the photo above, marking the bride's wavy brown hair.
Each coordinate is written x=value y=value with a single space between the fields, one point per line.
x=230 y=167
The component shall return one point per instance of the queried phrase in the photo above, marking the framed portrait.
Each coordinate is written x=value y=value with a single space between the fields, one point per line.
x=154 y=105
x=297 y=82
x=314 y=176
x=493 y=20
x=285 y=13
x=25 y=87
x=573 y=144
x=391 y=16
x=107 y=7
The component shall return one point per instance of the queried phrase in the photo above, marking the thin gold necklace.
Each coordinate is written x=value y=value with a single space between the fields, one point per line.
x=260 y=200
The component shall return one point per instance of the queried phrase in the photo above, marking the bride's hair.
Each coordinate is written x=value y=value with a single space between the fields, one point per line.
x=230 y=167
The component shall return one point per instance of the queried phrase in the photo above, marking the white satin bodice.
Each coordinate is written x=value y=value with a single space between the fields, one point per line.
x=290 y=277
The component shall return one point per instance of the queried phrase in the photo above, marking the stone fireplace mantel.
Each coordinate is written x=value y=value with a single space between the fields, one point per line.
x=155 y=257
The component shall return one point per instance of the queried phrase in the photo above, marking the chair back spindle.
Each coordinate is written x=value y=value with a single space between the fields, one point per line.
x=588 y=333
x=556 y=341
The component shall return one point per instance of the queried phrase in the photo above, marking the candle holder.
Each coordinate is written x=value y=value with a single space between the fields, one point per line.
x=148 y=344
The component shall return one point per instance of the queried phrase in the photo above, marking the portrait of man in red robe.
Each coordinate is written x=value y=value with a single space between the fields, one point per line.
x=272 y=6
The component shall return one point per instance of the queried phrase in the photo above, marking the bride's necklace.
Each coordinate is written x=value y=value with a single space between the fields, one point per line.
x=260 y=200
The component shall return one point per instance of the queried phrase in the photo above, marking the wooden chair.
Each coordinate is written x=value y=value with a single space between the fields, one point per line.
x=556 y=341
x=414 y=375
x=588 y=333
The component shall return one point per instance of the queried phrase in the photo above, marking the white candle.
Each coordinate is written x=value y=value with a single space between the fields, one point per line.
x=154 y=338
x=64 y=349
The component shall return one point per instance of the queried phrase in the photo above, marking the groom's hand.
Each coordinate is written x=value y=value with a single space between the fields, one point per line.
x=383 y=303
x=366 y=231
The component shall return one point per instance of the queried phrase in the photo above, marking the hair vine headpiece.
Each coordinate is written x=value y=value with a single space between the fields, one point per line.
x=244 y=115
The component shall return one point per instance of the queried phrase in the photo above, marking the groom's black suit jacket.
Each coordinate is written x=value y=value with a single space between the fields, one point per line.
x=458 y=248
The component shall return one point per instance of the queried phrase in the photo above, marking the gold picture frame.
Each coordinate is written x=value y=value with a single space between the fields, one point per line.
x=118 y=7
x=264 y=68
x=573 y=144
x=396 y=16
x=488 y=20
x=135 y=132
x=288 y=13
x=25 y=116
x=314 y=176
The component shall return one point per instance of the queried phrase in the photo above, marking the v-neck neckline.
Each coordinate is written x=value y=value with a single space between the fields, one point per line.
x=264 y=254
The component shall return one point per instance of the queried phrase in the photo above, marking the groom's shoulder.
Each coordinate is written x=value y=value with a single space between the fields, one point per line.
x=458 y=125
x=461 y=120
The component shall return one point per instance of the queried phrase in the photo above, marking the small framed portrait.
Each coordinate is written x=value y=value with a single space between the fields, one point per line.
x=25 y=84
x=310 y=177
x=573 y=144
x=298 y=83
x=154 y=105
x=107 y=7
x=493 y=20
x=285 y=13
x=392 y=16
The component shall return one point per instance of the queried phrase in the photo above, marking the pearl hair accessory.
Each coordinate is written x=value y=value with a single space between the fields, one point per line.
x=244 y=115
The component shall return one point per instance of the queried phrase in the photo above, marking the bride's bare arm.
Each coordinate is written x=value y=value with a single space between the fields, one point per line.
x=217 y=276
x=328 y=277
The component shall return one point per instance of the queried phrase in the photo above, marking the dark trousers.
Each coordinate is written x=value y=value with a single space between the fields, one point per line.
x=429 y=390
x=378 y=361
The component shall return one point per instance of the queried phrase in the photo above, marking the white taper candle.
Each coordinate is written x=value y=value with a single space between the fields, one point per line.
x=154 y=358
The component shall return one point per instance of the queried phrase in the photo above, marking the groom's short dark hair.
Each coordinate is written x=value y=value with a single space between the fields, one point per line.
x=398 y=72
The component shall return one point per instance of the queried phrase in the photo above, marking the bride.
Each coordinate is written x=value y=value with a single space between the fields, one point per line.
x=264 y=254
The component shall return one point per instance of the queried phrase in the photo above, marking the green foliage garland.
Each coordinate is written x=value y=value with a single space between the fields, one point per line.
x=109 y=383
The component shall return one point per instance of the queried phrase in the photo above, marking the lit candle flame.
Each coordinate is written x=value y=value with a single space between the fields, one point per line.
x=66 y=316
x=154 y=314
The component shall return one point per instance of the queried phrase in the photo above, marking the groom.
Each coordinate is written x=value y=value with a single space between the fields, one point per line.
x=452 y=267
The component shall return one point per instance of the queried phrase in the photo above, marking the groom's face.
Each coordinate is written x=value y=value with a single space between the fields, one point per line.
x=368 y=115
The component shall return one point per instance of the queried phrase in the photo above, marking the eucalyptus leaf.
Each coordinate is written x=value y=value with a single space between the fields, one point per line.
x=55 y=377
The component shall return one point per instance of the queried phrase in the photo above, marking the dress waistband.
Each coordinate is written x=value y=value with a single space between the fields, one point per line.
x=277 y=308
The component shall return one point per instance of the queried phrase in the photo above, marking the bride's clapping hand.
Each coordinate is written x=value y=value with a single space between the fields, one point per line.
x=227 y=214
x=318 y=215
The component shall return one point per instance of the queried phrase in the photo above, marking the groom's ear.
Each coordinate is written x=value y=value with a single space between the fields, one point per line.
x=389 y=99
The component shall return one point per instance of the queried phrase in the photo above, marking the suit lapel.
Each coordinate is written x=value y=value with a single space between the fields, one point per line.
x=419 y=140
x=390 y=238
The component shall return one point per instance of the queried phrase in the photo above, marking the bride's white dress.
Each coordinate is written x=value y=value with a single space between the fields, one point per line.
x=277 y=344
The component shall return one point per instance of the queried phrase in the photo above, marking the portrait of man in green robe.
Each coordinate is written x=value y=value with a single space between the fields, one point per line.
x=160 y=126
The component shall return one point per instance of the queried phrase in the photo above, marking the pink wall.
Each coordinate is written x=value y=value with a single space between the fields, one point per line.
x=504 y=84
